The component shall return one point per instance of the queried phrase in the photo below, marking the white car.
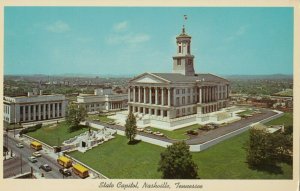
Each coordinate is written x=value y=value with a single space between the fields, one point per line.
x=32 y=159
x=37 y=154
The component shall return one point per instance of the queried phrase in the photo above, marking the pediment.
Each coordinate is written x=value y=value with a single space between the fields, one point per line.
x=148 y=78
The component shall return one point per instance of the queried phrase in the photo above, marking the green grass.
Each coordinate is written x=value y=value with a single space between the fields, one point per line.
x=286 y=119
x=102 y=118
x=179 y=134
x=226 y=160
x=247 y=112
x=53 y=135
x=287 y=92
x=117 y=159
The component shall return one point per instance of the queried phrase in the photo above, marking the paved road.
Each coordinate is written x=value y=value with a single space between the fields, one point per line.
x=13 y=166
x=205 y=136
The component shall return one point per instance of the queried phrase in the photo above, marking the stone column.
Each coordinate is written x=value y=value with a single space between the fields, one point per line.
x=39 y=112
x=145 y=97
x=163 y=96
x=49 y=111
x=29 y=112
x=200 y=95
x=129 y=94
x=169 y=98
x=150 y=95
x=173 y=96
x=134 y=94
x=57 y=110
x=156 y=95
x=139 y=94
x=34 y=113
x=53 y=110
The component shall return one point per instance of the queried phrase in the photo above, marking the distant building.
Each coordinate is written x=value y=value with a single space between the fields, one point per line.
x=34 y=107
x=103 y=99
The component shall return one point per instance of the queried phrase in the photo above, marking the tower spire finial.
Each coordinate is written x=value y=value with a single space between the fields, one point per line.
x=183 y=27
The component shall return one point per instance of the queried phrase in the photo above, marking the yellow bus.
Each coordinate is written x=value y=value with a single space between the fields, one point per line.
x=36 y=145
x=64 y=161
x=80 y=170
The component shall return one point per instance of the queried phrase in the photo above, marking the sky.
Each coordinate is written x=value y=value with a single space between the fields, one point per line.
x=132 y=40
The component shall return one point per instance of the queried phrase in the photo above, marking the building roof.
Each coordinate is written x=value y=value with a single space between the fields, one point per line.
x=176 y=77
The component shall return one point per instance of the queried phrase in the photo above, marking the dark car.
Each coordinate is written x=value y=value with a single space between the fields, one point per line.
x=65 y=171
x=45 y=167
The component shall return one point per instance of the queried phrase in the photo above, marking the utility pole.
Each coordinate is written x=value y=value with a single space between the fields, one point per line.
x=15 y=120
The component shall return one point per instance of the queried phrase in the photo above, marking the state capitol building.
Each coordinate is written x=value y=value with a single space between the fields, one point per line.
x=172 y=100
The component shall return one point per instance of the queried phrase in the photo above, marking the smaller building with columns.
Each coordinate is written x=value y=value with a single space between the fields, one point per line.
x=177 y=99
x=102 y=100
x=34 y=107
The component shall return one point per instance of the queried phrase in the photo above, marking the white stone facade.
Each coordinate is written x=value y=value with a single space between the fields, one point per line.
x=103 y=100
x=34 y=108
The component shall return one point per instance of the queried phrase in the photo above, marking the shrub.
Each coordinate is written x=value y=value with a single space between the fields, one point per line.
x=192 y=132
x=30 y=129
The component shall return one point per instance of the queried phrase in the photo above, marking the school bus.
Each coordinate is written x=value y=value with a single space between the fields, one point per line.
x=80 y=170
x=36 y=145
x=64 y=161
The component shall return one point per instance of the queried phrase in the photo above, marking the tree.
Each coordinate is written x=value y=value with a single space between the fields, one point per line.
x=130 y=127
x=176 y=162
x=267 y=149
x=260 y=149
x=74 y=115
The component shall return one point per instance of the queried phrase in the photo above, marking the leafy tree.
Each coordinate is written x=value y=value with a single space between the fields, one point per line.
x=74 y=115
x=176 y=162
x=260 y=149
x=266 y=149
x=130 y=127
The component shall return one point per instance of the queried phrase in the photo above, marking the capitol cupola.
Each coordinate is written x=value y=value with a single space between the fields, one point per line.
x=183 y=61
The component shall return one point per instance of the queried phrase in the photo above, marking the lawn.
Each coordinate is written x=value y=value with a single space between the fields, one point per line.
x=102 y=118
x=247 y=112
x=179 y=134
x=286 y=119
x=55 y=134
x=117 y=159
x=226 y=160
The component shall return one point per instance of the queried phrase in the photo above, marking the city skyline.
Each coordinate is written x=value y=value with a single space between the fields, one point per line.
x=68 y=40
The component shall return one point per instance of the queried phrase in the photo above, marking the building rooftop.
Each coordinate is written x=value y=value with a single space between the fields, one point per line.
x=175 y=77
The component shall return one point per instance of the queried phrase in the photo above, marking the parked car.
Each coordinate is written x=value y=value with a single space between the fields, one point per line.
x=37 y=154
x=45 y=167
x=32 y=159
x=19 y=145
x=111 y=123
x=147 y=131
x=65 y=171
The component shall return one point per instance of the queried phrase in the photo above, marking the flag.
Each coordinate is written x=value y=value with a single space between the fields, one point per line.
x=185 y=17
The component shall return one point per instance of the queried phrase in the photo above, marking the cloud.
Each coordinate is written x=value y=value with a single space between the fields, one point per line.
x=122 y=26
x=239 y=32
x=128 y=39
x=58 y=27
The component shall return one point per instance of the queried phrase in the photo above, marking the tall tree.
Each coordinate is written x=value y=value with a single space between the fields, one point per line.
x=130 y=127
x=74 y=115
x=176 y=162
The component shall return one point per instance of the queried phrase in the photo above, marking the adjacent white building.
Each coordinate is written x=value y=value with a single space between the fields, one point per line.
x=102 y=100
x=173 y=100
x=34 y=107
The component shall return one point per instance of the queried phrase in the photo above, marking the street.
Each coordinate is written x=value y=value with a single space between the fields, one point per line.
x=20 y=162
